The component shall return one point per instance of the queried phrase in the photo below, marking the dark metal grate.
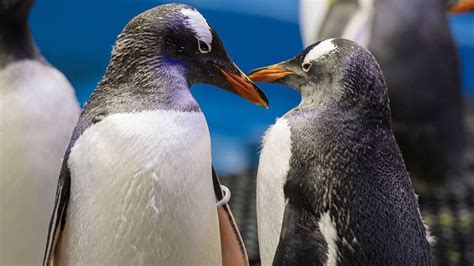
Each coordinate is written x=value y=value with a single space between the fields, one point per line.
x=243 y=204
x=450 y=217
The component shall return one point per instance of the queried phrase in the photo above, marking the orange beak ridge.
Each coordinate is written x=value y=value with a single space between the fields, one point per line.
x=245 y=88
x=270 y=74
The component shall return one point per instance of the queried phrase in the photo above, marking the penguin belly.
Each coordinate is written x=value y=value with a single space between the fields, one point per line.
x=142 y=193
x=272 y=171
x=38 y=111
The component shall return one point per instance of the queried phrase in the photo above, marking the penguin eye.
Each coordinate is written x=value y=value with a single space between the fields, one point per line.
x=204 y=47
x=306 y=66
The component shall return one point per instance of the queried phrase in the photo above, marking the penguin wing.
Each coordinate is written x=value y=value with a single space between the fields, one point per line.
x=232 y=246
x=301 y=241
x=56 y=225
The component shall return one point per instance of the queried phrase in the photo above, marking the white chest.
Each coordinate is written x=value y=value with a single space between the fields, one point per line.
x=142 y=193
x=272 y=172
x=38 y=111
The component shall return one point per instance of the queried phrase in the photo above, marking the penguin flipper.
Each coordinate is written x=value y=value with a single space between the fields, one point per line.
x=301 y=241
x=232 y=246
x=56 y=224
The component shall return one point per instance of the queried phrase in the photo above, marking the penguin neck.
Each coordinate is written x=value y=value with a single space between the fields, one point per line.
x=330 y=99
x=321 y=95
x=172 y=87
x=16 y=41
x=314 y=99
x=159 y=84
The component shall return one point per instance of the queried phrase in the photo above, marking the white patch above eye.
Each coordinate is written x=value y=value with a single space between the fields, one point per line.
x=198 y=24
x=320 y=50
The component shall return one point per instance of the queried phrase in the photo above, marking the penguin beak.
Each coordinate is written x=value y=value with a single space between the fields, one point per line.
x=244 y=87
x=462 y=6
x=270 y=73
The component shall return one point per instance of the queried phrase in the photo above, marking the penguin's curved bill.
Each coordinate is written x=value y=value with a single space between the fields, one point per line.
x=462 y=6
x=245 y=87
x=270 y=73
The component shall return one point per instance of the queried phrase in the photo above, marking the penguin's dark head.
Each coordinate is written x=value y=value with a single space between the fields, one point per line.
x=334 y=71
x=176 y=37
x=14 y=10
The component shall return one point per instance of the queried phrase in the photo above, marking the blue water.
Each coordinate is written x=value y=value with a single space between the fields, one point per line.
x=77 y=37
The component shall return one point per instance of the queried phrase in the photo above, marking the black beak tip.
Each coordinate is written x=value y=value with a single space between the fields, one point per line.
x=263 y=96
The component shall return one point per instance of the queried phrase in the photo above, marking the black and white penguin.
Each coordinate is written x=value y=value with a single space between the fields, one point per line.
x=412 y=41
x=136 y=186
x=332 y=187
x=38 y=111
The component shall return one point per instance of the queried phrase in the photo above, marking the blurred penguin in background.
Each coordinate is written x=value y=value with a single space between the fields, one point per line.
x=412 y=41
x=37 y=116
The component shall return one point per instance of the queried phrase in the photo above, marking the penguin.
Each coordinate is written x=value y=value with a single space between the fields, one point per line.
x=136 y=185
x=332 y=187
x=38 y=111
x=412 y=41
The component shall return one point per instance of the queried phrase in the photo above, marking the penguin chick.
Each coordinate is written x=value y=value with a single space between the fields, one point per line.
x=332 y=187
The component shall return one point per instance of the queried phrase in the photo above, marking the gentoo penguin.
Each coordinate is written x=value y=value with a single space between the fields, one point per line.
x=38 y=111
x=136 y=185
x=332 y=187
x=412 y=41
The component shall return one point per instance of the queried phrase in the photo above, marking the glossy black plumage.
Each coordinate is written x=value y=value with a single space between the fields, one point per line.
x=346 y=165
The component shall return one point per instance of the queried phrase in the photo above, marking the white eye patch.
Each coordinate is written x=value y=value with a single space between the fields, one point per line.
x=324 y=48
x=197 y=23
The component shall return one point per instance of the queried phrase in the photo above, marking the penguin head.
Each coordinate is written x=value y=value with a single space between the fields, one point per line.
x=14 y=10
x=176 y=37
x=331 y=72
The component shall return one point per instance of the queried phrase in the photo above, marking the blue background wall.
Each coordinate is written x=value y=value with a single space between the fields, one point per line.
x=77 y=37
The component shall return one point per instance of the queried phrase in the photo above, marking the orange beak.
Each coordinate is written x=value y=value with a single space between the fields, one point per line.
x=270 y=73
x=245 y=88
x=462 y=6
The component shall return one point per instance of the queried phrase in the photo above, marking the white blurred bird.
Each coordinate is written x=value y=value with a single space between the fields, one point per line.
x=37 y=116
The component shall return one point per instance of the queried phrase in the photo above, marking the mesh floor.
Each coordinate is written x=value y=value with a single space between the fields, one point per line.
x=449 y=214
